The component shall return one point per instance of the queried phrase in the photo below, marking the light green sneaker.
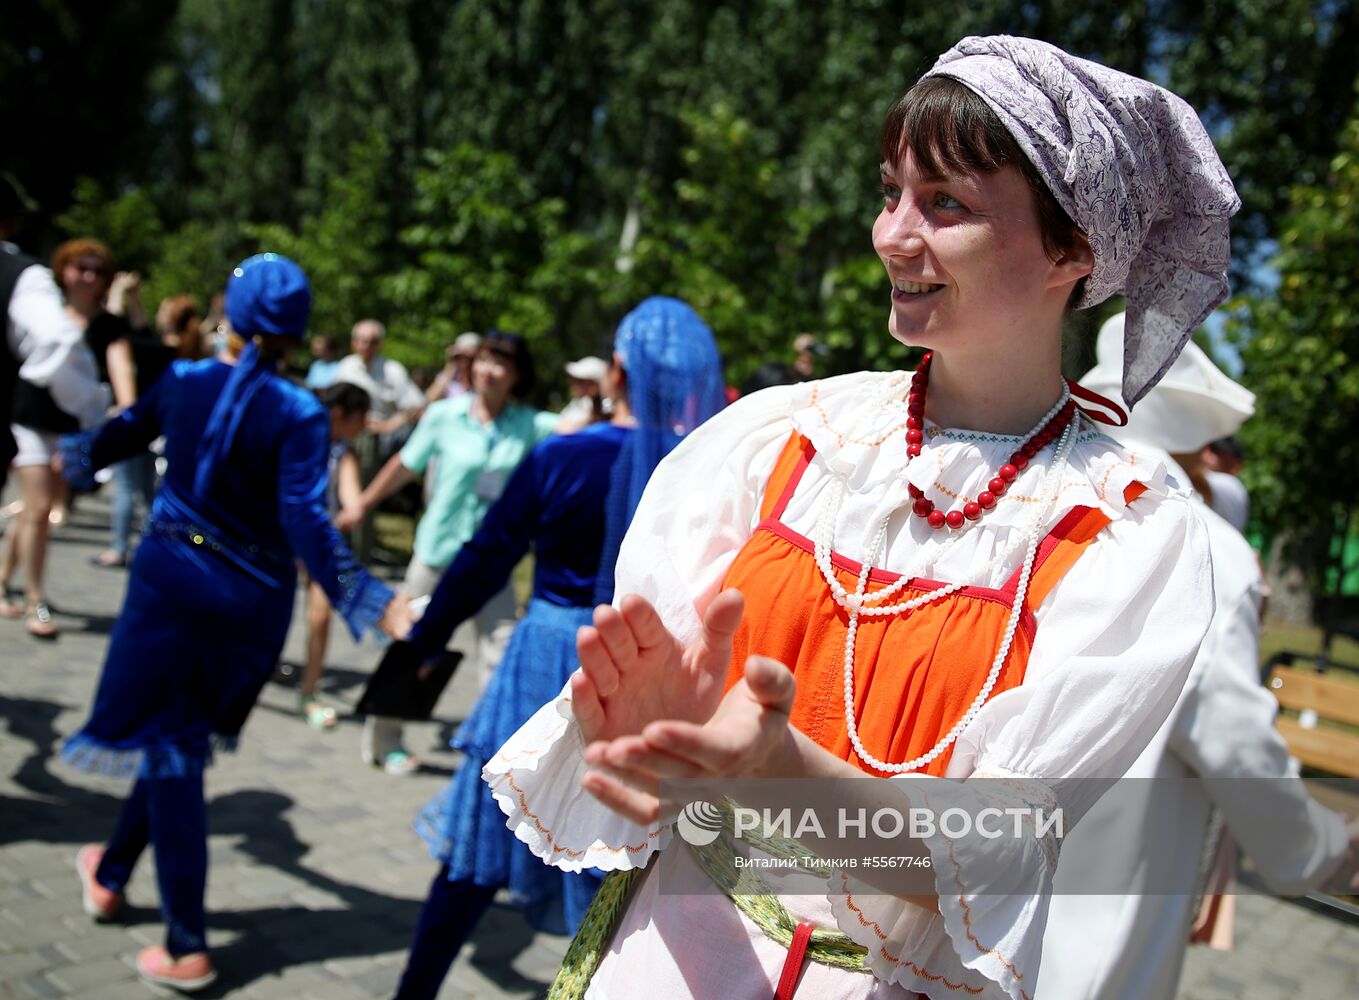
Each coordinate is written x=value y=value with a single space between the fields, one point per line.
x=400 y=764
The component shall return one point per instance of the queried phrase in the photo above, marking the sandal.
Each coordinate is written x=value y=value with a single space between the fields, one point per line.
x=10 y=608
x=39 y=622
x=110 y=559
x=317 y=714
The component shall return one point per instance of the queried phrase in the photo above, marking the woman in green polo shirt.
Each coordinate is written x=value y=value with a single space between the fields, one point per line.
x=470 y=445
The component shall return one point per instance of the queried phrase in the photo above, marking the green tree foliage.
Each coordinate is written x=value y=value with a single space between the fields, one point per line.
x=339 y=245
x=59 y=65
x=542 y=165
x=130 y=225
x=190 y=261
x=1272 y=80
x=1302 y=361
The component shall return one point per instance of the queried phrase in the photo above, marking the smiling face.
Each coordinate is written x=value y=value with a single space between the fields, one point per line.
x=85 y=280
x=966 y=257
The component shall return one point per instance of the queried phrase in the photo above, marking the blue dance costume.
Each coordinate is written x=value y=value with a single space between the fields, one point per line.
x=572 y=499
x=209 y=599
x=554 y=501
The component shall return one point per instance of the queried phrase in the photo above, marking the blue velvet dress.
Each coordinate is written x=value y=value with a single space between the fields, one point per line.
x=554 y=502
x=210 y=592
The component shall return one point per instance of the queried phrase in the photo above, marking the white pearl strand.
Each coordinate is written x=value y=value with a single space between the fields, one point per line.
x=825 y=530
x=854 y=603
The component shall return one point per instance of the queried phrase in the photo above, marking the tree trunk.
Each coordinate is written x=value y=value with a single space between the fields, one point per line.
x=1290 y=597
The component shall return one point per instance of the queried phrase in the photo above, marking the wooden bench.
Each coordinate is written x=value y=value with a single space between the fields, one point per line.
x=1318 y=698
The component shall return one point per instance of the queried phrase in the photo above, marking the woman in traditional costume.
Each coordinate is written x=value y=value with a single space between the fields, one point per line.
x=210 y=596
x=571 y=499
x=949 y=573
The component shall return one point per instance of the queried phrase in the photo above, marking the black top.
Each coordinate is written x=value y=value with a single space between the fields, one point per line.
x=151 y=356
x=103 y=331
x=11 y=266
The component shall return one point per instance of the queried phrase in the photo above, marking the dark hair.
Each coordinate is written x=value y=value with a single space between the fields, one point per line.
x=514 y=348
x=1228 y=447
x=948 y=127
x=768 y=374
x=347 y=396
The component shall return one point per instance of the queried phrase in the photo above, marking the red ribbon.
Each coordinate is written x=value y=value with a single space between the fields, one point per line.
x=1117 y=416
x=792 y=965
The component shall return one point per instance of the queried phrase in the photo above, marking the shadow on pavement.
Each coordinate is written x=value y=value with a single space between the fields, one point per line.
x=364 y=923
x=48 y=817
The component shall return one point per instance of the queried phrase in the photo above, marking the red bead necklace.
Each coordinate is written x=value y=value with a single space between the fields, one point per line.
x=1005 y=475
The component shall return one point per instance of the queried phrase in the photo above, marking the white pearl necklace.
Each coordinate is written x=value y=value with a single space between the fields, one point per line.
x=858 y=603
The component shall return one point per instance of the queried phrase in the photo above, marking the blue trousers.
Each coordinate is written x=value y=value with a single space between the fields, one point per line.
x=169 y=813
x=132 y=477
x=447 y=919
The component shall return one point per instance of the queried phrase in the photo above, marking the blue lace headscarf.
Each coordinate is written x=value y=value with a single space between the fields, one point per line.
x=674 y=384
x=267 y=295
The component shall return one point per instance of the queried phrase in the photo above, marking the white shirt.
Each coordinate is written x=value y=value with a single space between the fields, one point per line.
x=1126 y=622
x=1230 y=499
x=1131 y=947
x=387 y=383
x=51 y=347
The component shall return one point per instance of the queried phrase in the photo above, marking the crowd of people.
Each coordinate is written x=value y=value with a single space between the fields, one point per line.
x=974 y=573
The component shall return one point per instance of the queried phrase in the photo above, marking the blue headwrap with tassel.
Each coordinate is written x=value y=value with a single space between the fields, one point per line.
x=674 y=384
x=267 y=295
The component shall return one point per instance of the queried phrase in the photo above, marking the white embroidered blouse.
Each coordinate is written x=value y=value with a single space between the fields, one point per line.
x=1114 y=643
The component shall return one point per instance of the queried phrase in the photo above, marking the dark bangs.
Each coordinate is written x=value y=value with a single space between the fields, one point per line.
x=513 y=348
x=951 y=130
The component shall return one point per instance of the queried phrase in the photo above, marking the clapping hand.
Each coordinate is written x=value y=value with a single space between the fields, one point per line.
x=650 y=709
x=633 y=671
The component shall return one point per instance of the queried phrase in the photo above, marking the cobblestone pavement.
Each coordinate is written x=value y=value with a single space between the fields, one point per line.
x=316 y=877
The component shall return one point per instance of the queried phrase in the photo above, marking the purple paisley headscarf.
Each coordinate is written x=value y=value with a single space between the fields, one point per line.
x=1133 y=167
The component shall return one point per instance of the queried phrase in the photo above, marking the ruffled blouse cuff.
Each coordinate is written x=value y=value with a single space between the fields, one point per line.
x=535 y=778
x=77 y=464
x=987 y=937
x=363 y=602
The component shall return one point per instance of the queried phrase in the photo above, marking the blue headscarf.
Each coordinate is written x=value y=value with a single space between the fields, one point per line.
x=266 y=295
x=674 y=384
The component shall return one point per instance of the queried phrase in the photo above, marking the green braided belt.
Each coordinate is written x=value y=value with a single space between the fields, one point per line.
x=747 y=890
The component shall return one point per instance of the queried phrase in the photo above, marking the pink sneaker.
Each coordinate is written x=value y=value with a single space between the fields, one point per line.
x=187 y=973
x=101 y=903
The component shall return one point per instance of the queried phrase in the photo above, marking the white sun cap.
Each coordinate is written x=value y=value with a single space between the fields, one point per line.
x=589 y=368
x=1193 y=405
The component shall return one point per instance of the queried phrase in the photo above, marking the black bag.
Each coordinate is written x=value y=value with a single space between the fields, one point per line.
x=398 y=691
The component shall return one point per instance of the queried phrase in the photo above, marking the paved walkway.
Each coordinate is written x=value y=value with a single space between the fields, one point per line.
x=316 y=877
